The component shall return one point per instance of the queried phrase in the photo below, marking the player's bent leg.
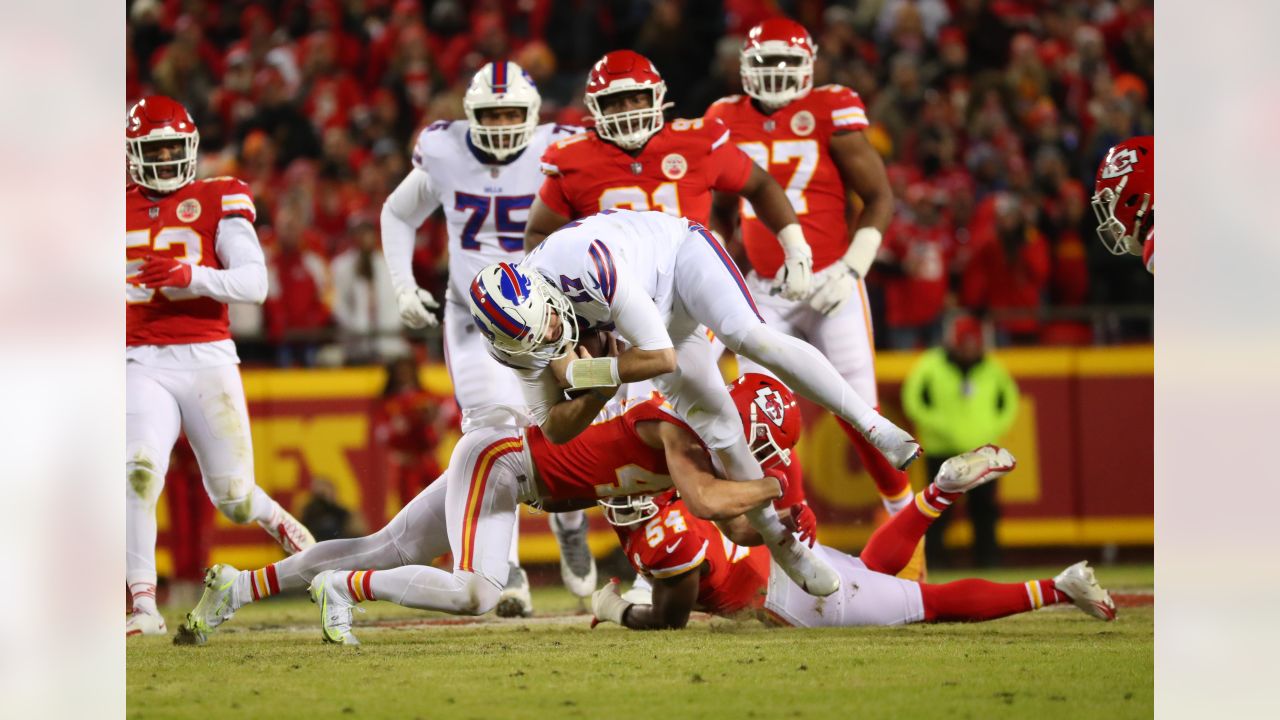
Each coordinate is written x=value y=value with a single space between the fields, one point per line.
x=152 y=423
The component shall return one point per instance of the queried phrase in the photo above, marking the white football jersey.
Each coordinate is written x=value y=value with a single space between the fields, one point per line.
x=486 y=205
x=583 y=259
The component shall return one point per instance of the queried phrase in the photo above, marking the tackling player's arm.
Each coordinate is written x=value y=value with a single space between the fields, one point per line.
x=542 y=222
x=689 y=464
x=404 y=211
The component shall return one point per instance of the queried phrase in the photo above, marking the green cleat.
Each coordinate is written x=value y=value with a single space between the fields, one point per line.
x=216 y=606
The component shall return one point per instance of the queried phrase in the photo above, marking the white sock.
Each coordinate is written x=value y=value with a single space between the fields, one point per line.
x=144 y=597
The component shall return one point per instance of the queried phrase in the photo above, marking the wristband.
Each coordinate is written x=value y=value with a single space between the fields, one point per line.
x=593 y=373
x=791 y=238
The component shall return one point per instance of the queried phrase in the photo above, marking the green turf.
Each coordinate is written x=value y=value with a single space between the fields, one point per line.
x=269 y=662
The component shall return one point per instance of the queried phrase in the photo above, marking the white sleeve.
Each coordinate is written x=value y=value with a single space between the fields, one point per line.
x=636 y=317
x=406 y=208
x=244 y=274
x=541 y=392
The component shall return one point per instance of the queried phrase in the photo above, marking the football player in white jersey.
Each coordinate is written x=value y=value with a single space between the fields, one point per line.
x=654 y=278
x=485 y=173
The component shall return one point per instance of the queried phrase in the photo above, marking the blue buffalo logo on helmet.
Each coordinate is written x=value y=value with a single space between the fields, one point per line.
x=520 y=312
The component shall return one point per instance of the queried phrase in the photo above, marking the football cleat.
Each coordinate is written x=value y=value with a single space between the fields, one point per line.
x=216 y=606
x=804 y=567
x=144 y=623
x=1078 y=583
x=515 y=600
x=292 y=535
x=577 y=566
x=335 y=609
x=967 y=471
x=896 y=444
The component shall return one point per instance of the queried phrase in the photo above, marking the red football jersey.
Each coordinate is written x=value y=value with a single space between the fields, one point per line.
x=607 y=459
x=674 y=542
x=184 y=225
x=675 y=172
x=794 y=145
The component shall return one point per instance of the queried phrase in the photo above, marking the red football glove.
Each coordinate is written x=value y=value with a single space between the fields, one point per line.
x=779 y=473
x=803 y=523
x=160 y=271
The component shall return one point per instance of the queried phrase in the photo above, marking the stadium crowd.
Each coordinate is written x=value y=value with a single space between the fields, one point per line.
x=992 y=116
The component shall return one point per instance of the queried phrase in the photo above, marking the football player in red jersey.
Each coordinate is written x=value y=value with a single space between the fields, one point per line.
x=1124 y=199
x=693 y=565
x=810 y=139
x=635 y=446
x=632 y=159
x=190 y=249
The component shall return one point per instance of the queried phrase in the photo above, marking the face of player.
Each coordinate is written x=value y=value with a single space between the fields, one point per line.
x=555 y=328
x=781 y=62
x=626 y=101
x=165 y=151
x=502 y=117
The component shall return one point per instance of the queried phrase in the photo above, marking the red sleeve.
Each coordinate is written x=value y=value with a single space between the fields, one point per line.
x=844 y=109
x=731 y=166
x=553 y=195
x=236 y=199
x=1149 y=252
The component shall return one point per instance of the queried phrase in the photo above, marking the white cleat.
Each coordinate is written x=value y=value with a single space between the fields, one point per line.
x=967 y=471
x=216 y=606
x=804 y=567
x=1078 y=583
x=515 y=600
x=577 y=566
x=144 y=623
x=641 y=592
x=335 y=609
x=896 y=444
x=292 y=535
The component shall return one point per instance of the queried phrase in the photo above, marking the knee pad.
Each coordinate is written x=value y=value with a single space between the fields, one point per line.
x=144 y=479
x=238 y=510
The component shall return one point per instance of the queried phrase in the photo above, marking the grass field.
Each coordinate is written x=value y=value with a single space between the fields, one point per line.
x=269 y=662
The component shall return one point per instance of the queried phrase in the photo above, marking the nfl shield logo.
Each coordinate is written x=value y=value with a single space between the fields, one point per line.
x=636 y=168
x=769 y=125
x=153 y=212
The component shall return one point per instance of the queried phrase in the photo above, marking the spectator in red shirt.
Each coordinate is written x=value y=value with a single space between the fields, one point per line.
x=1009 y=272
x=915 y=261
x=298 y=279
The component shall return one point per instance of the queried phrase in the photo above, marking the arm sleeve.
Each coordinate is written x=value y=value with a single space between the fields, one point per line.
x=541 y=392
x=408 y=206
x=244 y=274
x=553 y=195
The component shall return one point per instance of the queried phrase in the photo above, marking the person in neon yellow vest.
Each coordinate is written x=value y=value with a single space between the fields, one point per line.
x=960 y=398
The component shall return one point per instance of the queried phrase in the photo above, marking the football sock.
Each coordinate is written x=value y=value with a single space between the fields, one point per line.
x=428 y=588
x=808 y=372
x=144 y=597
x=254 y=585
x=893 y=484
x=976 y=600
x=357 y=583
x=890 y=547
x=570 y=520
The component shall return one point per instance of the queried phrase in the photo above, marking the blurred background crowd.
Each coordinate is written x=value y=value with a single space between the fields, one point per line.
x=992 y=116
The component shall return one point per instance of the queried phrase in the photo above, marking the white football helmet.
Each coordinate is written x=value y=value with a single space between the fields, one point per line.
x=502 y=85
x=629 y=510
x=513 y=310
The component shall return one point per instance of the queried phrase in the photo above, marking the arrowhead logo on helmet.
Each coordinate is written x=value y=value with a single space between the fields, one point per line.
x=777 y=62
x=772 y=436
x=1124 y=195
x=625 y=72
x=160 y=143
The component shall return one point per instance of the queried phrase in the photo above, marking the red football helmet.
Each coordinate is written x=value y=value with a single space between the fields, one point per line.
x=1124 y=196
x=777 y=62
x=770 y=417
x=158 y=121
x=624 y=71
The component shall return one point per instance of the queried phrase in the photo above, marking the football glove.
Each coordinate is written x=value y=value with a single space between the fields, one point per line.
x=159 y=271
x=805 y=523
x=836 y=284
x=779 y=473
x=415 y=307
x=795 y=278
x=607 y=604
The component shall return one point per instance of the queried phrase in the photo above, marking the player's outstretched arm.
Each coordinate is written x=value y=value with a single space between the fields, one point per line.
x=673 y=601
x=406 y=208
x=706 y=495
x=542 y=222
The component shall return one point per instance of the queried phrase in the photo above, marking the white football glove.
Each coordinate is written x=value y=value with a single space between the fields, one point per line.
x=607 y=604
x=415 y=307
x=836 y=284
x=795 y=279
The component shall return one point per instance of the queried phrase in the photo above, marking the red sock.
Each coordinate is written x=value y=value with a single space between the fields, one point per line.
x=977 y=600
x=891 y=545
x=890 y=481
x=359 y=585
x=264 y=583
